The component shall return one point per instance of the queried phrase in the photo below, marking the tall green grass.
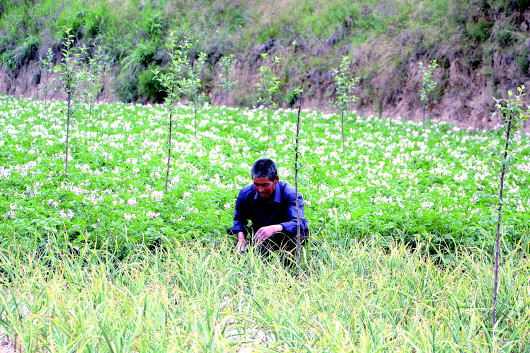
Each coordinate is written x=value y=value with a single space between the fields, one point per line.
x=202 y=297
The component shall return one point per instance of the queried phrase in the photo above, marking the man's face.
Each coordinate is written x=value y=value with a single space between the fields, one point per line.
x=264 y=186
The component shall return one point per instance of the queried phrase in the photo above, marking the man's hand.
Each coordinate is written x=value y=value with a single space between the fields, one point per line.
x=265 y=233
x=241 y=242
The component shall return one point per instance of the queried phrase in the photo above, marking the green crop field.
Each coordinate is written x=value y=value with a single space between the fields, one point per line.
x=403 y=225
x=396 y=179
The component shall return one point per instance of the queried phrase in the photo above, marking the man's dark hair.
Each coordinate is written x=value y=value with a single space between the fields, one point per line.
x=264 y=167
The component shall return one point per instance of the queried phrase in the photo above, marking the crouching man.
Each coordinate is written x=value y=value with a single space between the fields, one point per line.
x=270 y=205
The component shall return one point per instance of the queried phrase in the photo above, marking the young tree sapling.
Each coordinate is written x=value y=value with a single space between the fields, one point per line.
x=191 y=83
x=512 y=114
x=268 y=87
x=344 y=96
x=46 y=66
x=72 y=75
x=170 y=82
x=227 y=64
x=428 y=86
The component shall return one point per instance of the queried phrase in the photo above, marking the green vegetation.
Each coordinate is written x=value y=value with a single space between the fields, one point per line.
x=344 y=96
x=402 y=226
x=133 y=34
x=72 y=76
x=200 y=296
x=181 y=79
x=428 y=85
x=402 y=229
x=191 y=85
x=227 y=64
x=268 y=88
x=399 y=179
x=46 y=65
x=513 y=114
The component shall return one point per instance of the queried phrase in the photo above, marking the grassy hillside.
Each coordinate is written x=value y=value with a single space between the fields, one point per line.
x=481 y=46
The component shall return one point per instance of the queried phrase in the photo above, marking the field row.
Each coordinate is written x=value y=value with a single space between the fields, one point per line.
x=396 y=178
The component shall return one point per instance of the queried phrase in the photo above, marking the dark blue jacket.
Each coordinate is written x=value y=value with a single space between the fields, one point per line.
x=280 y=208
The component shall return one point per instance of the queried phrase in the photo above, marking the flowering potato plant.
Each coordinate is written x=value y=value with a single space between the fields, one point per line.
x=398 y=179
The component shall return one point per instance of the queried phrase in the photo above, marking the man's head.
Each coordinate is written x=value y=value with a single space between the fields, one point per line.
x=265 y=177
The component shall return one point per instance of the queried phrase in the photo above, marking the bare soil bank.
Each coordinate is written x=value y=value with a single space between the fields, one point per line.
x=464 y=96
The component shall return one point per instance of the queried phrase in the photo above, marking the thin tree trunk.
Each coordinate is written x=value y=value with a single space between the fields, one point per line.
x=46 y=93
x=195 y=119
x=296 y=168
x=499 y=219
x=269 y=121
x=68 y=114
x=169 y=150
x=342 y=129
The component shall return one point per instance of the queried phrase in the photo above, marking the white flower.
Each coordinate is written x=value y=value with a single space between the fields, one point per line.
x=332 y=212
x=66 y=214
x=460 y=177
x=53 y=203
x=192 y=209
x=427 y=204
x=382 y=199
x=156 y=195
x=151 y=214
x=132 y=201
x=129 y=216
x=9 y=214
x=204 y=188
x=4 y=172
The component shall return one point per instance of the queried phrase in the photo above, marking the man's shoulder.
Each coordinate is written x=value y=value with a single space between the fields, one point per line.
x=286 y=188
x=285 y=185
x=247 y=191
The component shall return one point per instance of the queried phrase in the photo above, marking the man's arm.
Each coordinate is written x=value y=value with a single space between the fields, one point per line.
x=240 y=217
x=290 y=225
x=240 y=222
x=266 y=232
x=241 y=242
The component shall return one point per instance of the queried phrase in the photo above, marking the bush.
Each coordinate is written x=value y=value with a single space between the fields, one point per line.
x=127 y=82
x=7 y=60
x=126 y=85
x=479 y=31
x=152 y=23
x=149 y=87
x=14 y=59
x=26 y=51
x=506 y=37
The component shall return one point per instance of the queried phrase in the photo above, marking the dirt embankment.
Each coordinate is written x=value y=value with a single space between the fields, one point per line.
x=390 y=81
x=467 y=80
